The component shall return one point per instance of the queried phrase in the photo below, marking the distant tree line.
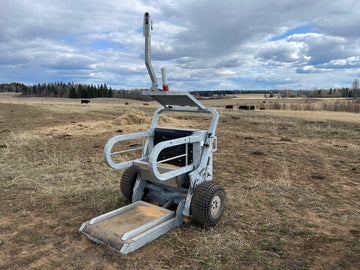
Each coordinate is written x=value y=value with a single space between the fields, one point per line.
x=71 y=90
x=288 y=93
x=12 y=87
x=224 y=93
x=346 y=92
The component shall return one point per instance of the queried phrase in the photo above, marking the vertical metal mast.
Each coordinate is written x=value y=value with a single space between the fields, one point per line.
x=147 y=27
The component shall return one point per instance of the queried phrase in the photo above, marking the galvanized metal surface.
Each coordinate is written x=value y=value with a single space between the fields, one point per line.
x=172 y=98
x=130 y=227
x=127 y=229
x=147 y=27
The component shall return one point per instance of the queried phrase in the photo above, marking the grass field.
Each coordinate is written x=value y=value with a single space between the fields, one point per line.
x=291 y=177
x=293 y=104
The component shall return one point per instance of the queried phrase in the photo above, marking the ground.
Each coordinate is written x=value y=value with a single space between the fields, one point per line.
x=291 y=179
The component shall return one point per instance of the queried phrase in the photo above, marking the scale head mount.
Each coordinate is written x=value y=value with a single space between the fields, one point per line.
x=147 y=25
x=175 y=98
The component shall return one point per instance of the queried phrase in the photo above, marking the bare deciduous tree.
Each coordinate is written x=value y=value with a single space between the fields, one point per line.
x=355 y=88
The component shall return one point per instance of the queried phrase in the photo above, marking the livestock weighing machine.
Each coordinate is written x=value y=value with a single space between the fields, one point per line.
x=170 y=181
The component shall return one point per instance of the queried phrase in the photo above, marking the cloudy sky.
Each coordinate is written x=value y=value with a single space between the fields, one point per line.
x=204 y=44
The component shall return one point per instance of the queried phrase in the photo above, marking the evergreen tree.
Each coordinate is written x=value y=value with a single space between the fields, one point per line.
x=72 y=93
x=110 y=93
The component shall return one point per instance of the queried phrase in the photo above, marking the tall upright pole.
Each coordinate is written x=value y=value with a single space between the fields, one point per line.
x=147 y=27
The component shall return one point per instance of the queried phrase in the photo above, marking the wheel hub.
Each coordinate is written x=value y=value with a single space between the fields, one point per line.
x=215 y=206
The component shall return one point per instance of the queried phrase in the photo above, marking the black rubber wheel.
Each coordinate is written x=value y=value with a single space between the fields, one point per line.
x=127 y=182
x=208 y=204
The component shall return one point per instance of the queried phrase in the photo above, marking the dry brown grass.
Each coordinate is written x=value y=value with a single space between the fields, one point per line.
x=318 y=115
x=292 y=183
x=293 y=104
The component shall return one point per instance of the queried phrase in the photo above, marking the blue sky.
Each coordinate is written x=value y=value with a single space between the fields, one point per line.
x=229 y=44
x=302 y=29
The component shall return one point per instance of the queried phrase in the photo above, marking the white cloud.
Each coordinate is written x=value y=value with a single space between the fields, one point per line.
x=347 y=63
x=284 y=51
x=203 y=44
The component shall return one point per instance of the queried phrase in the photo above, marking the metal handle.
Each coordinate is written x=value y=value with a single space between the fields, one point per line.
x=114 y=140
x=167 y=144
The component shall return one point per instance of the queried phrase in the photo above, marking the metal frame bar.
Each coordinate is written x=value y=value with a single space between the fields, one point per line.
x=147 y=27
x=167 y=214
x=125 y=151
x=167 y=144
x=165 y=160
x=149 y=235
x=173 y=95
x=115 y=212
x=114 y=140
x=147 y=226
x=214 y=120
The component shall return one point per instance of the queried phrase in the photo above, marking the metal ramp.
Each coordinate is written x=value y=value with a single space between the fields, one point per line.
x=130 y=227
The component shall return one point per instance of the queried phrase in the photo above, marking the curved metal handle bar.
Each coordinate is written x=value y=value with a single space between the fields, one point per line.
x=167 y=144
x=110 y=144
x=213 y=124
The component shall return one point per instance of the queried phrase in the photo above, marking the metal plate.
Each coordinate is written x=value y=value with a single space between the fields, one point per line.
x=174 y=98
x=124 y=225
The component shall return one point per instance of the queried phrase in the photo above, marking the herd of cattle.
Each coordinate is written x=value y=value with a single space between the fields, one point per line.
x=241 y=107
x=229 y=107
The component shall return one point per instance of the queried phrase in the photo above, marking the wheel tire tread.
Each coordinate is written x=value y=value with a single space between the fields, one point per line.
x=201 y=203
x=127 y=182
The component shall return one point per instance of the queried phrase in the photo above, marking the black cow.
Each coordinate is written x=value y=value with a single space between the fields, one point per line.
x=243 y=107
x=229 y=107
x=84 y=101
